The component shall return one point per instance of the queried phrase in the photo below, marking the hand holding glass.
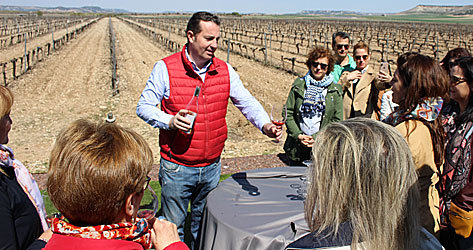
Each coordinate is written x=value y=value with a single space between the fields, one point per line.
x=278 y=115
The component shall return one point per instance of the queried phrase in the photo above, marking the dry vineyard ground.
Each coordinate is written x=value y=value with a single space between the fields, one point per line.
x=75 y=83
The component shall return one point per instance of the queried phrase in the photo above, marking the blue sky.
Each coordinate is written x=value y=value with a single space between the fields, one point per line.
x=242 y=6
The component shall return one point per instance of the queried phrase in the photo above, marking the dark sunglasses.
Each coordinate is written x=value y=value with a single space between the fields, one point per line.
x=365 y=57
x=452 y=64
x=456 y=80
x=340 y=46
x=323 y=66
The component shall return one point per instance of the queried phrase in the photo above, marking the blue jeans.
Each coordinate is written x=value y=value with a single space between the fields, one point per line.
x=181 y=184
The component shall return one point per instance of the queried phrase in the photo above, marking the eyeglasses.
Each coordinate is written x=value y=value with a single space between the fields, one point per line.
x=149 y=202
x=340 y=46
x=454 y=80
x=365 y=57
x=323 y=66
x=148 y=179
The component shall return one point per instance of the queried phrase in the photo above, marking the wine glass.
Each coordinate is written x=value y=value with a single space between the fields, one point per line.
x=307 y=163
x=149 y=204
x=278 y=115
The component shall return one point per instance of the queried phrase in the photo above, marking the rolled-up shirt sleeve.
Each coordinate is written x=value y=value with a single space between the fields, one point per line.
x=157 y=88
x=245 y=102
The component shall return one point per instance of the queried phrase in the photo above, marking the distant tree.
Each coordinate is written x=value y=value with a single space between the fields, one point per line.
x=235 y=14
x=39 y=13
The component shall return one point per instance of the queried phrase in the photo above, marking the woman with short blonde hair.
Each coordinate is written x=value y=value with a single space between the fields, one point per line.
x=88 y=162
x=96 y=179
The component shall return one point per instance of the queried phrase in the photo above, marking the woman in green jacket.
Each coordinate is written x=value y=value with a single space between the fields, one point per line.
x=313 y=102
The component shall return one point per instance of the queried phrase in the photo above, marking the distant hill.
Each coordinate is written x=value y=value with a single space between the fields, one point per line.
x=332 y=12
x=439 y=9
x=85 y=9
x=326 y=12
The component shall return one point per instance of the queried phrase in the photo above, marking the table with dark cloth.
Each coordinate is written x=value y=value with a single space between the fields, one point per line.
x=259 y=209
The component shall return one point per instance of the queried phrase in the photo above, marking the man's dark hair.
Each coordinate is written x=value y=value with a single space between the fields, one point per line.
x=194 y=22
x=341 y=34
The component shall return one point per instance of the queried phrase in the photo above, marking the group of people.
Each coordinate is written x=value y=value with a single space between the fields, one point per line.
x=426 y=101
x=401 y=183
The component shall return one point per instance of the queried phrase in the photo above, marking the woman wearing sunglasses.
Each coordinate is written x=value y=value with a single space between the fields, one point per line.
x=456 y=185
x=313 y=102
x=449 y=60
x=96 y=179
x=420 y=86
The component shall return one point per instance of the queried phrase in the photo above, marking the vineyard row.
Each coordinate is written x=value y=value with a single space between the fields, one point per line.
x=15 y=67
x=12 y=34
x=275 y=42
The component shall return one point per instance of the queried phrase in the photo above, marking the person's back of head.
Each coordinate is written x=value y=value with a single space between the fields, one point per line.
x=93 y=168
x=423 y=77
x=363 y=173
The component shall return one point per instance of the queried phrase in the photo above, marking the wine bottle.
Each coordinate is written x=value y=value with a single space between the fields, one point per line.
x=193 y=108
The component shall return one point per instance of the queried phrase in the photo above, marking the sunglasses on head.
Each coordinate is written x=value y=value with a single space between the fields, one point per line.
x=323 y=66
x=365 y=57
x=340 y=46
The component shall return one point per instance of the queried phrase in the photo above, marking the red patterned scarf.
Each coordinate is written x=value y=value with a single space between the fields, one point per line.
x=137 y=232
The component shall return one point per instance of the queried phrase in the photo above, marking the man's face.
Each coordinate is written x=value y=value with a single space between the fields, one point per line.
x=203 y=45
x=362 y=58
x=341 y=46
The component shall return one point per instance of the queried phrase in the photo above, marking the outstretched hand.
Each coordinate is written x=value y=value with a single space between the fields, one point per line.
x=273 y=131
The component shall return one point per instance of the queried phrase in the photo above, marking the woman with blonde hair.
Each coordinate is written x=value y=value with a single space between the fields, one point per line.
x=362 y=190
x=96 y=179
x=22 y=213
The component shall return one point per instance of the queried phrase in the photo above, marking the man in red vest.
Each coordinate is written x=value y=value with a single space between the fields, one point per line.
x=188 y=82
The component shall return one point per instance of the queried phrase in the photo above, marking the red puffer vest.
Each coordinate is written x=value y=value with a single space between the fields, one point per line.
x=205 y=144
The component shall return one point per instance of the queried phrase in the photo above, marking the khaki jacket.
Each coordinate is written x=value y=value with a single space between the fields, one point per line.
x=420 y=144
x=365 y=98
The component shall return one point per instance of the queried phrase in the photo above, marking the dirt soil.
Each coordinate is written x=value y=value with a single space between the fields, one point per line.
x=75 y=82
